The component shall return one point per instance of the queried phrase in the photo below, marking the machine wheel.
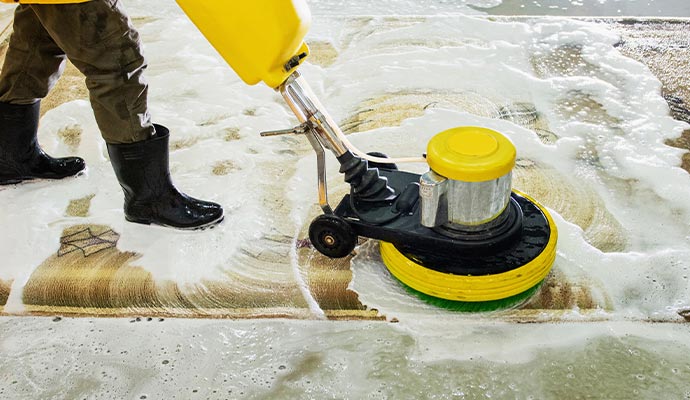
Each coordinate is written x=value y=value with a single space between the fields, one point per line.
x=332 y=236
x=391 y=167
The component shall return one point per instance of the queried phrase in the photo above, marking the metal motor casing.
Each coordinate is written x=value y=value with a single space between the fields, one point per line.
x=462 y=205
x=470 y=180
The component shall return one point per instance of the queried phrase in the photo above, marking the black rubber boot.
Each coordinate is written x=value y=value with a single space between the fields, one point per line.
x=150 y=196
x=21 y=158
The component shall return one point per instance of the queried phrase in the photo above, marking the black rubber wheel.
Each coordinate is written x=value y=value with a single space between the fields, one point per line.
x=332 y=236
x=391 y=167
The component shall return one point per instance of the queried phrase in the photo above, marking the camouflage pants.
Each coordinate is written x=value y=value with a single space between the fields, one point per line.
x=98 y=38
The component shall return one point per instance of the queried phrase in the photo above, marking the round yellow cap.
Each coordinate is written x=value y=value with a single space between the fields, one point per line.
x=470 y=154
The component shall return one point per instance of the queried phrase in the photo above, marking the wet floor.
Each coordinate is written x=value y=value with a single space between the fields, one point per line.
x=567 y=8
x=187 y=359
x=572 y=8
x=596 y=108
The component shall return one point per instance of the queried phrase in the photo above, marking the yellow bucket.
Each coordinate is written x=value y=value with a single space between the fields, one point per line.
x=257 y=37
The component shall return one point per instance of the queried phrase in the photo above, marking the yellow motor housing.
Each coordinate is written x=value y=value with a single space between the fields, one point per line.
x=258 y=38
x=471 y=154
x=470 y=178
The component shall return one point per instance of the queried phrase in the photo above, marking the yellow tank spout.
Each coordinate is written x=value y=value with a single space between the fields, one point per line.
x=262 y=40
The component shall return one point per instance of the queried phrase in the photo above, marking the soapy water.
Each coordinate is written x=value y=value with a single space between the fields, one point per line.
x=401 y=7
x=650 y=277
x=215 y=120
x=571 y=8
x=340 y=360
x=614 y=8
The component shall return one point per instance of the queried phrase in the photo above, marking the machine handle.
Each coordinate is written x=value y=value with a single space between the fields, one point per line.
x=297 y=130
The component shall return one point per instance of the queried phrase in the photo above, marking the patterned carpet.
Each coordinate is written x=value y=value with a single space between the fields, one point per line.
x=89 y=276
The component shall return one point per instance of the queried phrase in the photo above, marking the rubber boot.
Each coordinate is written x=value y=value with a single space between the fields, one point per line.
x=21 y=158
x=150 y=196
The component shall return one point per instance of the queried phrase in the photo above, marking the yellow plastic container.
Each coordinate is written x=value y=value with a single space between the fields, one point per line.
x=256 y=37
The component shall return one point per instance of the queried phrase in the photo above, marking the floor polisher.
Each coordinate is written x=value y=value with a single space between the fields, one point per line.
x=458 y=235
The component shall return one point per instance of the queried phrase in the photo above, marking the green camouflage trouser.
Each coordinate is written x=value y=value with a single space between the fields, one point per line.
x=98 y=38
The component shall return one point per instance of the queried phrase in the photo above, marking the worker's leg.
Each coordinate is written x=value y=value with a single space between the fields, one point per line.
x=99 y=40
x=33 y=63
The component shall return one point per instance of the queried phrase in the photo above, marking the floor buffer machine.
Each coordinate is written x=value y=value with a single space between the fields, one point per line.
x=457 y=236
